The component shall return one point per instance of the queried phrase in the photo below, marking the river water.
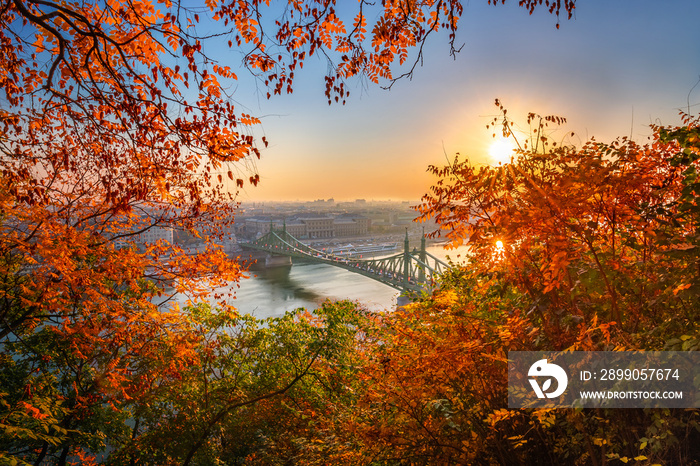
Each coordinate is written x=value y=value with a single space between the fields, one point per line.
x=272 y=292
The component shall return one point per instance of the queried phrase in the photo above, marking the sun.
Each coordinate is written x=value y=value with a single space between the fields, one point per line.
x=501 y=150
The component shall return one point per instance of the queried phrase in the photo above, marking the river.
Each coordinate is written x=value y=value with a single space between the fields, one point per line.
x=272 y=292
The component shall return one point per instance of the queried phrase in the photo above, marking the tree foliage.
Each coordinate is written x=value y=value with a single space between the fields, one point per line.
x=591 y=231
x=582 y=230
x=118 y=120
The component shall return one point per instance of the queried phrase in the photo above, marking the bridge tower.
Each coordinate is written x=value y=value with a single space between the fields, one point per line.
x=406 y=261
x=278 y=260
x=423 y=257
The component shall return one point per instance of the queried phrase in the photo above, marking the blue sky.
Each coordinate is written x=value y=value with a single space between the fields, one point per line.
x=614 y=69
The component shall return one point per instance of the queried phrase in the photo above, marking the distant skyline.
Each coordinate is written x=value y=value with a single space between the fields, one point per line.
x=336 y=201
x=614 y=69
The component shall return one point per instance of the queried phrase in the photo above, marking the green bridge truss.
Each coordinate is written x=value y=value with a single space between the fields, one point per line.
x=415 y=270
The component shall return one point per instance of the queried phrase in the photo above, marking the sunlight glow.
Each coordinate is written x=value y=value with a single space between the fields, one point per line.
x=501 y=150
x=499 y=252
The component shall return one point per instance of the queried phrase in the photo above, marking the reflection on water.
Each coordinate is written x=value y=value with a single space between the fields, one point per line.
x=272 y=292
x=279 y=278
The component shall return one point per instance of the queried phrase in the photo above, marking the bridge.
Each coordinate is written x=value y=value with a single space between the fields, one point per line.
x=415 y=270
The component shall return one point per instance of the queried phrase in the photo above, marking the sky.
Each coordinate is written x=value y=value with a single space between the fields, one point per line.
x=616 y=68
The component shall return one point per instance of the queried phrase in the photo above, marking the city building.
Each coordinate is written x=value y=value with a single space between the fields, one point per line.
x=156 y=233
x=318 y=227
x=309 y=226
